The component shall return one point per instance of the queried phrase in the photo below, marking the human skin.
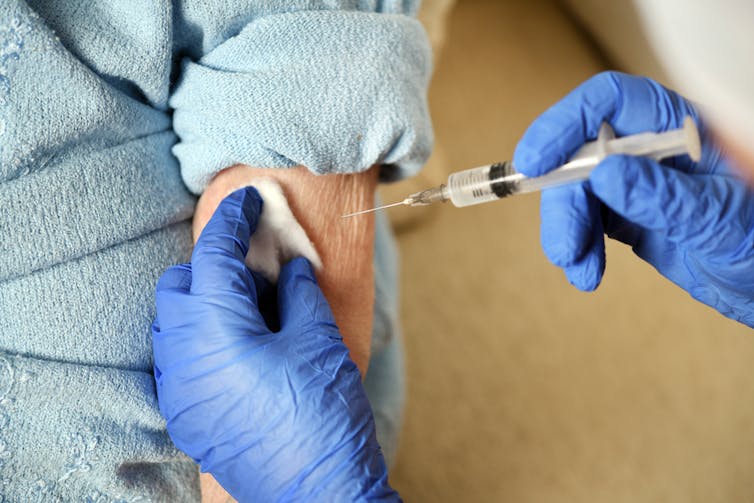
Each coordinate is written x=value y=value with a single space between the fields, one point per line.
x=346 y=247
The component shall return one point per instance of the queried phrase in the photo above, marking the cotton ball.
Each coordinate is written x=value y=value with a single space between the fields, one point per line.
x=279 y=237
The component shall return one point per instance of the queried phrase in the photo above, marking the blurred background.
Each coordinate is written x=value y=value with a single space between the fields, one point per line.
x=521 y=388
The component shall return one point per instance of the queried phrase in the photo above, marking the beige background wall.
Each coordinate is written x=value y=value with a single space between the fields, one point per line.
x=523 y=389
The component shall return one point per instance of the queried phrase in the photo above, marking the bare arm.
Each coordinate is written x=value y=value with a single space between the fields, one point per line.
x=346 y=246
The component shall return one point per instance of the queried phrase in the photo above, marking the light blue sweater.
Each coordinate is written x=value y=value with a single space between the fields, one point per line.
x=94 y=205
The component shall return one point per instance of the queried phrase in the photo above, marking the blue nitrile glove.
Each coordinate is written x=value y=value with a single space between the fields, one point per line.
x=274 y=414
x=693 y=221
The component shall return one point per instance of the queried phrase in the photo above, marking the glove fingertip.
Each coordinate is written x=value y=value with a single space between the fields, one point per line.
x=527 y=160
x=223 y=244
x=537 y=154
x=546 y=144
x=297 y=266
x=560 y=249
x=566 y=226
x=584 y=277
x=177 y=277
x=587 y=273
x=251 y=203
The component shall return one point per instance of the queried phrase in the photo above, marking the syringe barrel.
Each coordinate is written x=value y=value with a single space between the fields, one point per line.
x=496 y=181
x=483 y=184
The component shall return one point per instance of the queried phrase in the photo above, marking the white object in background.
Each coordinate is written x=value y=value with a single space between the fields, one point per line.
x=706 y=48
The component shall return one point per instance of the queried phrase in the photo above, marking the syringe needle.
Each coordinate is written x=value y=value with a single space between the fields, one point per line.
x=405 y=201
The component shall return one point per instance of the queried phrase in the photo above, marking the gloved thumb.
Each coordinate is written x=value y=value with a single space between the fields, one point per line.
x=300 y=299
x=658 y=198
x=175 y=280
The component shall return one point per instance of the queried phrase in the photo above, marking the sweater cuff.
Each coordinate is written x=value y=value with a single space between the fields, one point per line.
x=337 y=92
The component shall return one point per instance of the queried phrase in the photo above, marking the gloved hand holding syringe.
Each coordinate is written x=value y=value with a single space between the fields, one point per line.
x=496 y=181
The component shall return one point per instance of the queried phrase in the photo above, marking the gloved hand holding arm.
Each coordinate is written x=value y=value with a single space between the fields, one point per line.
x=694 y=222
x=256 y=384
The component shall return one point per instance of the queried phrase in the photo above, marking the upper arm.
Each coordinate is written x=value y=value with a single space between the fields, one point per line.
x=346 y=246
x=336 y=89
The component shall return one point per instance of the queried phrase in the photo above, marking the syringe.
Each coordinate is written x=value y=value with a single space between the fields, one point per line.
x=496 y=181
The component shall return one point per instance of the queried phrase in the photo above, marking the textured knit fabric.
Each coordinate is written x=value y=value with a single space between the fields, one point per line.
x=93 y=207
x=265 y=97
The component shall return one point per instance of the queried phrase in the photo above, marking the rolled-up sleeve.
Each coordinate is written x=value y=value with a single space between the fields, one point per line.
x=337 y=91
